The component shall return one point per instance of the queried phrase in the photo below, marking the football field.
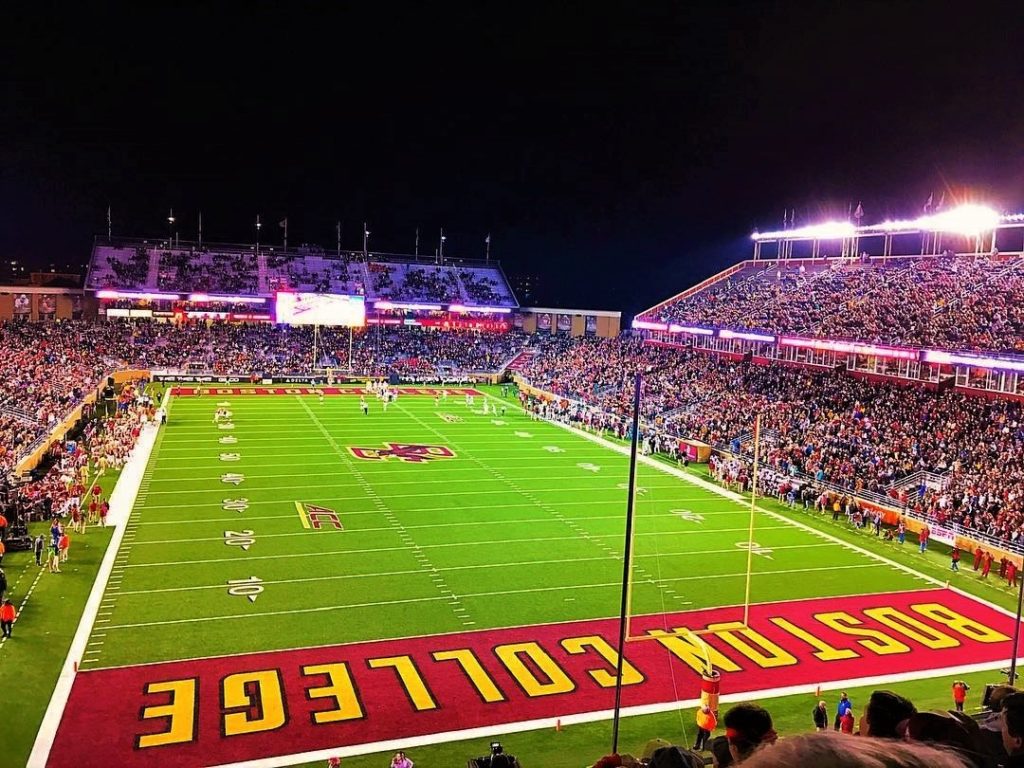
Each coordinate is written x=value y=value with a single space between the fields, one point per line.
x=303 y=578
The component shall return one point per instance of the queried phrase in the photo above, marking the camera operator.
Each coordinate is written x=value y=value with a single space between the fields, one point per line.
x=497 y=759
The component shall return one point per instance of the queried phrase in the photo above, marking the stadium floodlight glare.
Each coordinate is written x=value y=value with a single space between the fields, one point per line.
x=206 y=298
x=726 y=333
x=827 y=230
x=108 y=294
x=963 y=220
x=647 y=325
x=406 y=305
x=463 y=309
x=673 y=328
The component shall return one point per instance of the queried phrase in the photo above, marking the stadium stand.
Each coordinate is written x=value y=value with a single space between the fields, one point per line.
x=948 y=301
x=239 y=271
x=312 y=272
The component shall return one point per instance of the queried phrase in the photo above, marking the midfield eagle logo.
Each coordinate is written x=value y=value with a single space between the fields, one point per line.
x=411 y=452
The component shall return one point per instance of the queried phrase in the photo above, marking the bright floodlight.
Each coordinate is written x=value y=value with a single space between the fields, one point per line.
x=963 y=220
x=827 y=230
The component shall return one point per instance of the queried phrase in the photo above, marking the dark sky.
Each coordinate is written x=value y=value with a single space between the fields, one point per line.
x=620 y=153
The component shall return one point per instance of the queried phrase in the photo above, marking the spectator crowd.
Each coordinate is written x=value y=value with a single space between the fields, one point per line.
x=949 y=302
x=233 y=272
x=889 y=732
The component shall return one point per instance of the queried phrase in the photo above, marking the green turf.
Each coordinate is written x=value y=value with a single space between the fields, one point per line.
x=524 y=525
x=518 y=532
x=31 y=660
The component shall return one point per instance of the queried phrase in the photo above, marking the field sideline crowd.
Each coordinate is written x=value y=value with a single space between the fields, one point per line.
x=949 y=302
x=889 y=732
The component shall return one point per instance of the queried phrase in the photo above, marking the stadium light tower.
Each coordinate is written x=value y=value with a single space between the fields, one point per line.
x=366 y=240
x=258 y=226
x=440 y=248
x=170 y=228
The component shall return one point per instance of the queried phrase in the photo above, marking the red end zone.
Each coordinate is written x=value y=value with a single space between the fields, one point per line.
x=431 y=391
x=237 y=708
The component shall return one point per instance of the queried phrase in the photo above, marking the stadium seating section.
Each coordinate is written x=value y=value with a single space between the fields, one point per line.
x=951 y=302
x=147 y=268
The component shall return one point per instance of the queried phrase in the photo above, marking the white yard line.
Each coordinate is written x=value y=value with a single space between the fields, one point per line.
x=467 y=596
x=416 y=510
x=477 y=523
x=423 y=480
x=505 y=564
x=395 y=524
x=404 y=548
x=332 y=484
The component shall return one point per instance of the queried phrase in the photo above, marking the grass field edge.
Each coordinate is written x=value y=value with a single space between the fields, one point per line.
x=122 y=498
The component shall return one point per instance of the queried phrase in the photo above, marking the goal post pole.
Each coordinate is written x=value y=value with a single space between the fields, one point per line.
x=753 y=510
x=627 y=560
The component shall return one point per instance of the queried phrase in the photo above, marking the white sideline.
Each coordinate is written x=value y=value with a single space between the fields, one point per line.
x=121 y=502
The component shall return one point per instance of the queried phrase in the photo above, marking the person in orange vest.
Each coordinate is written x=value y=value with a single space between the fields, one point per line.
x=3 y=550
x=7 y=617
x=706 y=724
x=986 y=565
x=3 y=527
x=960 y=689
x=979 y=553
x=1011 y=573
x=63 y=544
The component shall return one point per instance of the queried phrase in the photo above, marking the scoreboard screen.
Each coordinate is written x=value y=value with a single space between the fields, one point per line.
x=320 y=309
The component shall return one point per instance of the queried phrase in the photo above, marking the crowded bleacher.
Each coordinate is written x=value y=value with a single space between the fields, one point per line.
x=154 y=267
x=947 y=301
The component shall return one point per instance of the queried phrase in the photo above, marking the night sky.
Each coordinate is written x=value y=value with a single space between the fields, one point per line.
x=620 y=154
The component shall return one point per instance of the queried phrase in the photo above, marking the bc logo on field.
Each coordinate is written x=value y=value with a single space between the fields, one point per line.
x=412 y=452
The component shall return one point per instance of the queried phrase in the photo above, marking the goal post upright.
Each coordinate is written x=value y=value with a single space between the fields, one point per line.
x=691 y=635
x=753 y=512
x=627 y=559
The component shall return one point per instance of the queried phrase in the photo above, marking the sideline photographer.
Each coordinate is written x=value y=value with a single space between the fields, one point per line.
x=497 y=759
